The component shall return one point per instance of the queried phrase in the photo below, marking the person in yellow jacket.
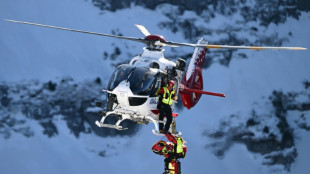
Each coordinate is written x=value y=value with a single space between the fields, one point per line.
x=166 y=96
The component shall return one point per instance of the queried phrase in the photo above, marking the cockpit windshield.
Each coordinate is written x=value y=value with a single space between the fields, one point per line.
x=143 y=81
x=121 y=73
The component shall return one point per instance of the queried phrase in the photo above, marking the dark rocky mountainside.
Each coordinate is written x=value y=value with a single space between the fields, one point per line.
x=43 y=102
x=228 y=7
x=269 y=133
x=265 y=131
x=242 y=13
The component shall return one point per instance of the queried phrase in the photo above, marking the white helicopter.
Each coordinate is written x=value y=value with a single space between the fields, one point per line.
x=131 y=91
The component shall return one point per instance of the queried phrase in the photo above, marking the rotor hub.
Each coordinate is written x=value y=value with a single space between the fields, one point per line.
x=155 y=37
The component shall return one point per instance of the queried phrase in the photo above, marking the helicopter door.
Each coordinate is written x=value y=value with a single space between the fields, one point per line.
x=156 y=86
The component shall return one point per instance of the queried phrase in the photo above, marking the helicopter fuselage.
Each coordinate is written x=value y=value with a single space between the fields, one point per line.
x=132 y=89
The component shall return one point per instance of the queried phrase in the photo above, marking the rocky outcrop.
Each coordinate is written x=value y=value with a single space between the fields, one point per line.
x=43 y=102
x=269 y=133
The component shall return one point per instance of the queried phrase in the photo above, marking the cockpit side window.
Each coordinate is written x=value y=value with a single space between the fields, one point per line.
x=137 y=78
x=142 y=80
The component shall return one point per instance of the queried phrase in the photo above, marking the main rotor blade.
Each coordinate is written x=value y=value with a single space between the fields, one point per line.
x=143 y=30
x=161 y=44
x=80 y=31
x=233 y=47
x=254 y=47
x=167 y=43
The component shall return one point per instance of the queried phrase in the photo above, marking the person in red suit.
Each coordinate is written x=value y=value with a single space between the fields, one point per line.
x=172 y=151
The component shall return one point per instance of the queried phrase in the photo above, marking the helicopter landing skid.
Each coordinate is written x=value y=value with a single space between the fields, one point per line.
x=110 y=126
x=157 y=133
x=122 y=117
x=115 y=126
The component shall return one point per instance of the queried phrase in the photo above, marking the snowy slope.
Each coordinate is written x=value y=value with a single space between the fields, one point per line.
x=28 y=52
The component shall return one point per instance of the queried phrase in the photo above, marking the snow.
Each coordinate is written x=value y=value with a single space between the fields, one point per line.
x=301 y=166
x=66 y=154
x=29 y=52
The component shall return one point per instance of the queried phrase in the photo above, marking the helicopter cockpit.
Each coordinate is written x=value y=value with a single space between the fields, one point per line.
x=143 y=81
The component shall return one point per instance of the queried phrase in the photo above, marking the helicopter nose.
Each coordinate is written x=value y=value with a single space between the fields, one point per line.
x=122 y=91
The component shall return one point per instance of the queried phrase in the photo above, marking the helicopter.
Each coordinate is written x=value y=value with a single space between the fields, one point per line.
x=132 y=88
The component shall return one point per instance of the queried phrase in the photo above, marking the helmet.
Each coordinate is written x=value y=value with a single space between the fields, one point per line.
x=158 y=147
x=171 y=83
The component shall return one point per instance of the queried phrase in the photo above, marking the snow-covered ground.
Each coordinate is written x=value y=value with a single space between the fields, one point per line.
x=29 y=52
